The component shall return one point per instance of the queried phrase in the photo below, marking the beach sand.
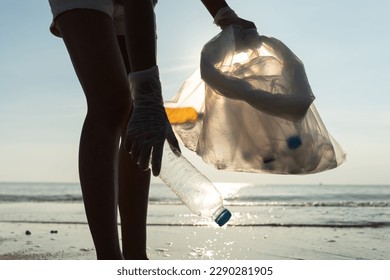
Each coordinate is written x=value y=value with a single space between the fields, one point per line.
x=73 y=242
x=59 y=231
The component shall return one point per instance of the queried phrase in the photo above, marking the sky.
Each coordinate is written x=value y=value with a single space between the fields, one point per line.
x=344 y=45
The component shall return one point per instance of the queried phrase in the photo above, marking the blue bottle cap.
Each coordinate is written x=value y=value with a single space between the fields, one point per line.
x=294 y=142
x=223 y=218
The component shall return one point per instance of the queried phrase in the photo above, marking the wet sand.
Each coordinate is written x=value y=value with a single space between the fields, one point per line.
x=47 y=241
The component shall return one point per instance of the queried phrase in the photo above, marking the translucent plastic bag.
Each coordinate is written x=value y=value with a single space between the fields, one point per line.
x=249 y=108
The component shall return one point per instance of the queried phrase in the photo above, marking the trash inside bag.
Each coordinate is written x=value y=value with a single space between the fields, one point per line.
x=239 y=64
x=249 y=108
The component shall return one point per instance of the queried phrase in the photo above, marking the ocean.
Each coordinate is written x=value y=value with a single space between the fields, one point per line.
x=338 y=206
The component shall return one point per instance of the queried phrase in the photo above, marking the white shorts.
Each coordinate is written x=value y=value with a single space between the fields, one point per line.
x=113 y=8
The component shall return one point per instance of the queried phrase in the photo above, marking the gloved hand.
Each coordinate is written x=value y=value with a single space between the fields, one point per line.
x=148 y=126
x=226 y=16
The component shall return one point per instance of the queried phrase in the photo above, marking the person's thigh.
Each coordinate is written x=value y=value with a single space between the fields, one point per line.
x=58 y=7
x=93 y=48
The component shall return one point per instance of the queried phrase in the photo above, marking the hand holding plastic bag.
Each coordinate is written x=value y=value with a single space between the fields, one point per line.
x=242 y=65
x=226 y=17
x=149 y=126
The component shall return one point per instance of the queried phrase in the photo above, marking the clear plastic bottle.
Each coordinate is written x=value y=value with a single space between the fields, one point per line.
x=192 y=187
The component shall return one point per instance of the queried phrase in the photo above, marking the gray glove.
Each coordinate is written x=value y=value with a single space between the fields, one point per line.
x=148 y=127
x=226 y=16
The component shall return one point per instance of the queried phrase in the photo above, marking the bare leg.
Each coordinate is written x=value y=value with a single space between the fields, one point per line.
x=133 y=205
x=133 y=195
x=92 y=44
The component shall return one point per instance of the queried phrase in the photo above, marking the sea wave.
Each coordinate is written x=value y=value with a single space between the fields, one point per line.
x=41 y=198
x=313 y=204
x=234 y=194
x=245 y=202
